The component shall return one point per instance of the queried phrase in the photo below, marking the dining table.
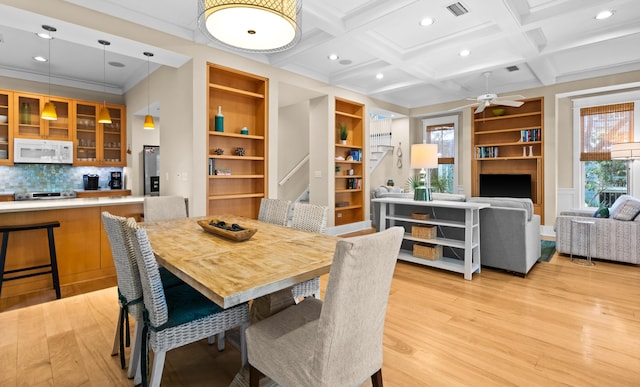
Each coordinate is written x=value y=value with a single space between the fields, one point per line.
x=231 y=272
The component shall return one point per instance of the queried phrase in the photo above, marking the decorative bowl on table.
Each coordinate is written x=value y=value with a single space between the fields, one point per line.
x=231 y=231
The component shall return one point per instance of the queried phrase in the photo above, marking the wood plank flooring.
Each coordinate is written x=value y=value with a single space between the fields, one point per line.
x=564 y=324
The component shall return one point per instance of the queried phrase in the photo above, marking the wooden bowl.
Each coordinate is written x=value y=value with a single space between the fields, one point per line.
x=238 y=236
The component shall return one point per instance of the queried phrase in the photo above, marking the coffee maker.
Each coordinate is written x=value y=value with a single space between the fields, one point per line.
x=116 y=180
x=91 y=181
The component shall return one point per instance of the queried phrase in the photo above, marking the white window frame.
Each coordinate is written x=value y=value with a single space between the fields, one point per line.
x=444 y=120
x=609 y=99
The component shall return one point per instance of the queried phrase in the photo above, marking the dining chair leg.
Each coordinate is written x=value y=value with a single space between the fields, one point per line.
x=220 y=341
x=116 y=339
x=376 y=378
x=134 y=359
x=254 y=376
x=156 y=369
x=243 y=344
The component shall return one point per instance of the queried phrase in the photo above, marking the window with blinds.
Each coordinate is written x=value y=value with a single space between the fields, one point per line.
x=444 y=137
x=601 y=126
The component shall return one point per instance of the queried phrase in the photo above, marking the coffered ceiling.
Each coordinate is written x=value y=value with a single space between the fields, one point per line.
x=543 y=41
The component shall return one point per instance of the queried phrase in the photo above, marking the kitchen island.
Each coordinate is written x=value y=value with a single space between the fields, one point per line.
x=82 y=247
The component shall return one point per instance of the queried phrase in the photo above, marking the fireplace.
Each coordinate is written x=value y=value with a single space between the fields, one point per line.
x=505 y=185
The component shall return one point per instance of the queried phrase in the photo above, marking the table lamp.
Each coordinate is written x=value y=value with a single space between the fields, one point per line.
x=423 y=156
x=626 y=151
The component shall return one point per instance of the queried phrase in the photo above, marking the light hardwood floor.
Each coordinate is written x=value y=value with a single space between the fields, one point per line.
x=563 y=324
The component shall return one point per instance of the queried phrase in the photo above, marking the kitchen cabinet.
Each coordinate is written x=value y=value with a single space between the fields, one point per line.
x=6 y=134
x=237 y=169
x=27 y=123
x=349 y=163
x=511 y=143
x=99 y=144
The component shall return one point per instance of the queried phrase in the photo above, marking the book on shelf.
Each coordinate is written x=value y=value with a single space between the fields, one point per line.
x=223 y=172
x=484 y=152
x=212 y=166
x=528 y=135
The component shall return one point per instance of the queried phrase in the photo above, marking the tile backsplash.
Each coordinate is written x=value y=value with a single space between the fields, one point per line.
x=50 y=177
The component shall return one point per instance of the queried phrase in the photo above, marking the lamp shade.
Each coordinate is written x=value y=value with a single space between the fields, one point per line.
x=49 y=112
x=104 y=117
x=252 y=25
x=424 y=156
x=148 y=122
x=625 y=151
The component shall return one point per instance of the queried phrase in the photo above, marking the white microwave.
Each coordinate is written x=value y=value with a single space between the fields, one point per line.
x=42 y=151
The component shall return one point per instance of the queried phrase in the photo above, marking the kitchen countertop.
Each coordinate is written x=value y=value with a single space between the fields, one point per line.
x=56 y=204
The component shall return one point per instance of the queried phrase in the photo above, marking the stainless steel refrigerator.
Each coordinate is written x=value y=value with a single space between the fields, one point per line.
x=151 y=166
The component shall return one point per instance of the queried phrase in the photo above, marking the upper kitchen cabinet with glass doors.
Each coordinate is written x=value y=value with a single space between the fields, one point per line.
x=27 y=107
x=100 y=144
x=6 y=119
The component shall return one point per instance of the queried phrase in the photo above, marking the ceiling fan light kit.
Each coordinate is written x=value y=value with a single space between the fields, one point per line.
x=261 y=26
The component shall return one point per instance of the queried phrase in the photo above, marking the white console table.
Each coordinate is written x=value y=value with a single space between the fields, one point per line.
x=463 y=216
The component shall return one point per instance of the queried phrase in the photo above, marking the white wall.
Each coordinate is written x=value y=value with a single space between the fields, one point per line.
x=293 y=142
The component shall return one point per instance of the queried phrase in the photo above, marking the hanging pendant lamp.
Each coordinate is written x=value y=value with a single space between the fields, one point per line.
x=104 y=117
x=148 y=119
x=49 y=110
x=261 y=26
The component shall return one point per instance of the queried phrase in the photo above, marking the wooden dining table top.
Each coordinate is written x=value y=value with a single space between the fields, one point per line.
x=230 y=272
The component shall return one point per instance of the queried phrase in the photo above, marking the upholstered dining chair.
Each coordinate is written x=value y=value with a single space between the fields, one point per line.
x=129 y=290
x=308 y=217
x=176 y=318
x=275 y=211
x=337 y=342
x=164 y=208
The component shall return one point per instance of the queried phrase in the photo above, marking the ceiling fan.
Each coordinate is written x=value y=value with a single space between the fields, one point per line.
x=488 y=99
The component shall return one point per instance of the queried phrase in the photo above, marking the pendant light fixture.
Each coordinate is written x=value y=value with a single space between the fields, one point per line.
x=104 y=117
x=261 y=26
x=49 y=110
x=148 y=119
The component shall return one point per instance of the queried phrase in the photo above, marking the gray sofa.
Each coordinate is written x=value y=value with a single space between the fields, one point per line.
x=616 y=238
x=509 y=231
x=509 y=234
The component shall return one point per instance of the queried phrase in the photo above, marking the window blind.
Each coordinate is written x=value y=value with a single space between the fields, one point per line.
x=601 y=126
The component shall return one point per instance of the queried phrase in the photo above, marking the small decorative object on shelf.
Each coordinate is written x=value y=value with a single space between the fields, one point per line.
x=524 y=151
x=219 y=151
x=244 y=130
x=223 y=172
x=25 y=114
x=344 y=133
x=240 y=151
x=530 y=150
x=390 y=183
x=219 y=120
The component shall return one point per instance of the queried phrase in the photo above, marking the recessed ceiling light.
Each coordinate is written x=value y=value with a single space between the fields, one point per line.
x=39 y=58
x=465 y=53
x=333 y=57
x=604 y=15
x=427 y=21
x=379 y=76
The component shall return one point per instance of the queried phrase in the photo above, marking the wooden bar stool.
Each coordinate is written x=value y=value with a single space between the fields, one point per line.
x=52 y=265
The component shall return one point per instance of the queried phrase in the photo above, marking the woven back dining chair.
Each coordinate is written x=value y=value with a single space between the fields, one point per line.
x=176 y=318
x=337 y=342
x=164 y=208
x=308 y=217
x=275 y=211
x=129 y=291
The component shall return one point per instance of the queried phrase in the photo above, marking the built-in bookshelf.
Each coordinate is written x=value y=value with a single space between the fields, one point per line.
x=511 y=143
x=349 y=163
x=237 y=151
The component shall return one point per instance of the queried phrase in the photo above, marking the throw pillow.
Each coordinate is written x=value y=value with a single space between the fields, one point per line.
x=625 y=208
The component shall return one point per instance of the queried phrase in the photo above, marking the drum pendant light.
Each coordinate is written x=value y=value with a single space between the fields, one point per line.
x=104 y=117
x=49 y=110
x=148 y=119
x=262 y=26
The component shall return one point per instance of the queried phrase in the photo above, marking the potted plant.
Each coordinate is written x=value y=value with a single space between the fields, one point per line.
x=344 y=133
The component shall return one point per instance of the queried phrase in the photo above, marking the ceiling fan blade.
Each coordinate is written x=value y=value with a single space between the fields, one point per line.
x=464 y=106
x=506 y=102
x=511 y=97
x=480 y=108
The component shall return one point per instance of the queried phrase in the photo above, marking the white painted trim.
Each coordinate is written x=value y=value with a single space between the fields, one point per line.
x=348 y=228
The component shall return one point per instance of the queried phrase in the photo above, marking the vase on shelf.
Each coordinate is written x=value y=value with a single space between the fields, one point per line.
x=219 y=120
x=530 y=150
x=524 y=151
